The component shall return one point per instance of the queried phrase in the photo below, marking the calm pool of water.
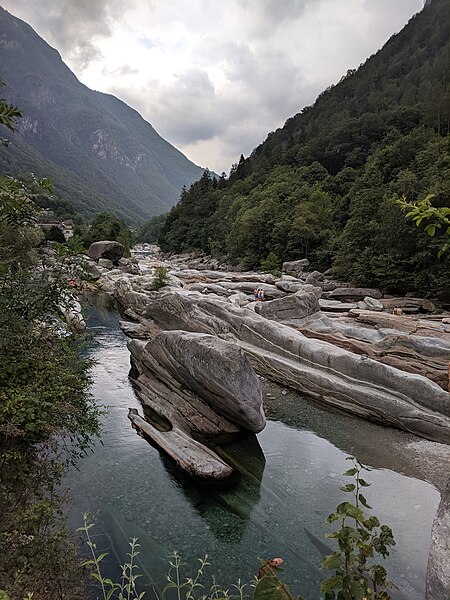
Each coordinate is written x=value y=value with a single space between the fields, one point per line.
x=290 y=484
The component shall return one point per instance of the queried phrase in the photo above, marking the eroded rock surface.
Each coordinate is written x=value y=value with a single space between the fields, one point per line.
x=295 y=306
x=214 y=369
x=355 y=383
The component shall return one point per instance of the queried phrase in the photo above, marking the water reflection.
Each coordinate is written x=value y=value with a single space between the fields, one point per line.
x=239 y=502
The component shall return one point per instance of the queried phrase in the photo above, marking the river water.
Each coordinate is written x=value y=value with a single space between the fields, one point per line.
x=291 y=475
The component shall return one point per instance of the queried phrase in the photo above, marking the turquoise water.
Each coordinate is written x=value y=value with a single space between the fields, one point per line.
x=291 y=474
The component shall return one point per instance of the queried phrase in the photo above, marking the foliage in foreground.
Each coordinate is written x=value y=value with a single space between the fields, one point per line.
x=47 y=417
x=437 y=217
x=361 y=540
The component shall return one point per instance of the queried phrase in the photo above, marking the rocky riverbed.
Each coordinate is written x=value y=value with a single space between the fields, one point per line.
x=198 y=344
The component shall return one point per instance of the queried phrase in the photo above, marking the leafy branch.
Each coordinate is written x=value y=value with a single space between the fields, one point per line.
x=423 y=210
x=360 y=539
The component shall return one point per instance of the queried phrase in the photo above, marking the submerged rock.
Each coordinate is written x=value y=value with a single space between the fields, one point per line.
x=191 y=456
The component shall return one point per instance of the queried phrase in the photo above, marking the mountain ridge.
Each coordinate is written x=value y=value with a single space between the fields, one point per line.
x=89 y=137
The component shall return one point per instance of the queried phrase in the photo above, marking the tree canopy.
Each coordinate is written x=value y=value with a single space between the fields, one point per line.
x=325 y=186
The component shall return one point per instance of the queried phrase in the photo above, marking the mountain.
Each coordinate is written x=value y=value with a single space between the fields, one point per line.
x=325 y=185
x=100 y=153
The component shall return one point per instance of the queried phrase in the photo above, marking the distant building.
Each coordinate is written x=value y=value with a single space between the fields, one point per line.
x=67 y=227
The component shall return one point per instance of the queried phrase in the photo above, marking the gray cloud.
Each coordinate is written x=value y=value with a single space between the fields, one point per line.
x=73 y=26
x=214 y=78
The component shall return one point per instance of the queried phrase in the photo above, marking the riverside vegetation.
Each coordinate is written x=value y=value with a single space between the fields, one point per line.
x=47 y=416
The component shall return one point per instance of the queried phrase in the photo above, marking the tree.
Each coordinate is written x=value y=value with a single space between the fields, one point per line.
x=9 y=114
x=106 y=226
x=54 y=234
x=149 y=231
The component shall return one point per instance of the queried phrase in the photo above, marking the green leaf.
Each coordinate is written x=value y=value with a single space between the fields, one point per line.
x=363 y=501
x=350 y=487
x=332 y=561
x=348 y=510
x=110 y=593
x=351 y=472
x=363 y=483
x=270 y=587
x=86 y=563
x=102 y=556
x=330 y=583
x=358 y=589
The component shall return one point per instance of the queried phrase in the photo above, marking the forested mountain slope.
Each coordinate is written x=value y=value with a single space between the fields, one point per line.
x=100 y=153
x=324 y=186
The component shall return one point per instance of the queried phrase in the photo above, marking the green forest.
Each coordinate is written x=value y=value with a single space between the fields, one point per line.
x=326 y=185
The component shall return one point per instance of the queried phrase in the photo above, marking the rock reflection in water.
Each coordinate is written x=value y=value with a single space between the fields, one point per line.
x=240 y=500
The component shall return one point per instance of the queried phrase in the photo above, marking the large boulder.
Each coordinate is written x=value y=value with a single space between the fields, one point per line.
x=197 y=390
x=292 y=285
x=372 y=304
x=106 y=249
x=314 y=278
x=295 y=306
x=295 y=267
x=349 y=293
x=215 y=370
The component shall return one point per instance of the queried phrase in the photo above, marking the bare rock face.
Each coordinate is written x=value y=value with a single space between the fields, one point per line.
x=292 y=285
x=315 y=278
x=438 y=572
x=295 y=267
x=349 y=293
x=105 y=263
x=92 y=270
x=409 y=305
x=336 y=305
x=295 y=306
x=217 y=371
x=332 y=375
x=372 y=304
x=106 y=249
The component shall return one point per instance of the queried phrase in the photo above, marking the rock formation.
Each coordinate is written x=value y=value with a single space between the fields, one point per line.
x=205 y=390
x=106 y=249
x=335 y=376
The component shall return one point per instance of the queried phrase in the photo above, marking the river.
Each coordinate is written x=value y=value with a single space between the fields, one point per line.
x=292 y=473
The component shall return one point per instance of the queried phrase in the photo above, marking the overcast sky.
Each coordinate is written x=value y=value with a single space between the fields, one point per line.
x=214 y=77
